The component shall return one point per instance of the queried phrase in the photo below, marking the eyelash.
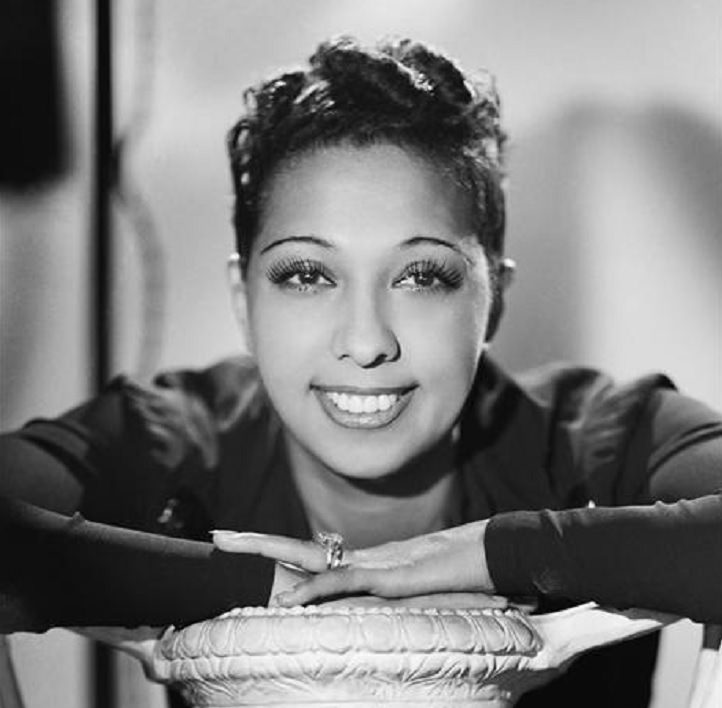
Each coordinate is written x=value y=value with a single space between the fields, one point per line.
x=448 y=277
x=283 y=272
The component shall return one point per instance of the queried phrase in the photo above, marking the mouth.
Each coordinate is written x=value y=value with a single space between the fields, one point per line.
x=363 y=408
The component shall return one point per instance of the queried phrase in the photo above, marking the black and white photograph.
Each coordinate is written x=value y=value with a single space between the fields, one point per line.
x=360 y=354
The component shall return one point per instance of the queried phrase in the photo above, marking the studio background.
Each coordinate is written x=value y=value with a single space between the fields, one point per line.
x=615 y=207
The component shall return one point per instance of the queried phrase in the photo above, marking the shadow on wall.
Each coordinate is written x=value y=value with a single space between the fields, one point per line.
x=549 y=206
x=28 y=292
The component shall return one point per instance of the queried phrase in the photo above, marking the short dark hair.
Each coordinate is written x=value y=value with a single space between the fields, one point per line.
x=398 y=91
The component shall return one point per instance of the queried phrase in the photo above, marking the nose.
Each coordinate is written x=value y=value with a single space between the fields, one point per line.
x=363 y=333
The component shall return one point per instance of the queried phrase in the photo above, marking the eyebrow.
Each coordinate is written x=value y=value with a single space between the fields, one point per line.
x=316 y=240
x=424 y=240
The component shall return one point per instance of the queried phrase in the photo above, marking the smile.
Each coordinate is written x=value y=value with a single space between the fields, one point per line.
x=353 y=403
x=353 y=408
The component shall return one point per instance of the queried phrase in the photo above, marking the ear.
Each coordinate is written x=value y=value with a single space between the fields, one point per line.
x=239 y=301
x=505 y=271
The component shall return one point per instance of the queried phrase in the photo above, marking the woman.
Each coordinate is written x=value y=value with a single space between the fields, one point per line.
x=369 y=281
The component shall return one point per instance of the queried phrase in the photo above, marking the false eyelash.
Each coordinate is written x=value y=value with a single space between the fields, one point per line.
x=449 y=276
x=283 y=270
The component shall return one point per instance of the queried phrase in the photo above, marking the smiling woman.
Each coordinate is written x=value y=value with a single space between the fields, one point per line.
x=383 y=310
x=368 y=279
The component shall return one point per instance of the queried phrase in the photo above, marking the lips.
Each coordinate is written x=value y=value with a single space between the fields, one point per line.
x=363 y=408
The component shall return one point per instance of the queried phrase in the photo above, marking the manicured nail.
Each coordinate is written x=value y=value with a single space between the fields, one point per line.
x=236 y=534
x=283 y=599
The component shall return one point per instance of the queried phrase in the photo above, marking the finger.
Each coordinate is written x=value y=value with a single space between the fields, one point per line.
x=353 y=580
x=358 y=601
x=447 y=601
x=455 y=601
x=343 y=581
x=304 y=554
x=526 y=604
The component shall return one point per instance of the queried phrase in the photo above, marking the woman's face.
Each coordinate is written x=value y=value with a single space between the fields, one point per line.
x=367 y=300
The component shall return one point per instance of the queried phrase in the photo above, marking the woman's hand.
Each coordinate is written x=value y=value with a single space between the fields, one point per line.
x=449 y=561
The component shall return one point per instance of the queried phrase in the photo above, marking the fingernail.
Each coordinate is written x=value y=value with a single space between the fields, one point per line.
x=283 y=599
x=225 y=533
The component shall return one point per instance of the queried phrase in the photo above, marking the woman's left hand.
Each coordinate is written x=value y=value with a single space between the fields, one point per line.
x=449 y=561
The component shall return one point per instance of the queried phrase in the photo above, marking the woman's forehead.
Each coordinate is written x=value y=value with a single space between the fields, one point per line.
x=381 y=192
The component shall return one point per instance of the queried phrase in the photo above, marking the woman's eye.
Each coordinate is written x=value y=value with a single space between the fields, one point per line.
x=307 y=279
x=428 y=276
x=419 y=280
x=300 y=276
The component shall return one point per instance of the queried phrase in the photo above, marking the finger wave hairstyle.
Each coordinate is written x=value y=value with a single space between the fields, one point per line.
x=399 y=91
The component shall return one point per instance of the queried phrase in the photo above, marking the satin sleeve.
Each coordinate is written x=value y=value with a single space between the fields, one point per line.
x=67 y=571
x=662 y=550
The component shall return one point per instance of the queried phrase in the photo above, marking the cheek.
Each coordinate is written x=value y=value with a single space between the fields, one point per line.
x=283 y=333
x=444 y=339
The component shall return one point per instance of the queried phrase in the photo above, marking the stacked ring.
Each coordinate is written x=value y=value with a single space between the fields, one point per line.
x=332 y=543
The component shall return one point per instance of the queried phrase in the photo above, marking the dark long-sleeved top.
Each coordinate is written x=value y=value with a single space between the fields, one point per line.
x=106 y=509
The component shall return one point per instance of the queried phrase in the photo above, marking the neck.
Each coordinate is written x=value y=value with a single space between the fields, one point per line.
x=418 y=499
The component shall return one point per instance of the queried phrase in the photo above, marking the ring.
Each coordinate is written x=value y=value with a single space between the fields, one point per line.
x=332 y=543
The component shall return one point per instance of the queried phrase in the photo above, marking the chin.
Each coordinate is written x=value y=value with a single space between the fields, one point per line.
x=375 y=460
x=361 y=466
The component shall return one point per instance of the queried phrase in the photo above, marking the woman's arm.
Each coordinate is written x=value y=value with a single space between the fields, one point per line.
x=32 y=474
x=665 y=557
x=66 y=571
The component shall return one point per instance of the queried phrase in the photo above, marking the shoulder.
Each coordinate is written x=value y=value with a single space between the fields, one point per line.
x=588 y=397
x=572 y=391
x=621 y=433
x=562 y=426
x=177 y=415
x=229 y=390
x=190 y=408
x=558 y=393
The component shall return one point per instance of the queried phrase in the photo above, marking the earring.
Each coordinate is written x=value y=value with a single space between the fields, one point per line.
x=507 y=270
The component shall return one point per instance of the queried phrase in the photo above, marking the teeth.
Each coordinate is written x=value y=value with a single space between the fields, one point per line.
x=362 y=404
